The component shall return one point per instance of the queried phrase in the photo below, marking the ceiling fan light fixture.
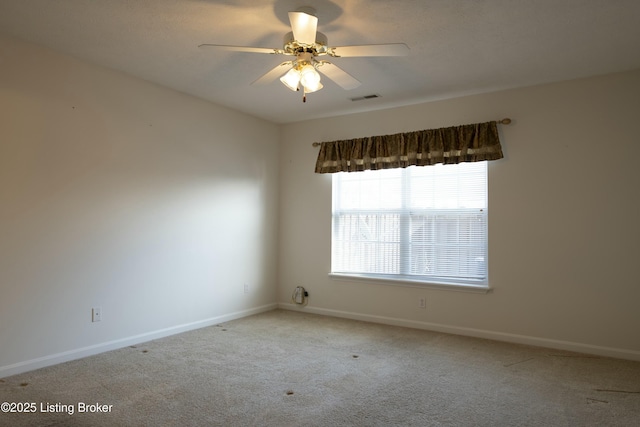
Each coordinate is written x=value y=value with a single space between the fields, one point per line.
x=291 y=79
x=306 y=44
x=309 y=77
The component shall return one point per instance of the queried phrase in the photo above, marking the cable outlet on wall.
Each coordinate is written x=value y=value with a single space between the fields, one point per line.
x=422 y=303
x=246 y=288
x=96 y=314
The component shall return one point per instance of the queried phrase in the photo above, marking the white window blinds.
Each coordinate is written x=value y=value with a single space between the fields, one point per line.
x=424 y=224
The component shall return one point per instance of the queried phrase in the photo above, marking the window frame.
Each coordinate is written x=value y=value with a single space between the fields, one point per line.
x=409 y=280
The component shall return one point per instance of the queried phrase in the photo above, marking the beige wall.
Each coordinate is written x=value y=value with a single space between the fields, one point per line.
x=117 y=193
x=563 y=219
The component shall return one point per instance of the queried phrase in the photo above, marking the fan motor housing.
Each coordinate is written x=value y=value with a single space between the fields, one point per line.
x=293 y=47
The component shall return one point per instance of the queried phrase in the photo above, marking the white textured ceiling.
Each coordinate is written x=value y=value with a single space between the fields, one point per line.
x=457 y=46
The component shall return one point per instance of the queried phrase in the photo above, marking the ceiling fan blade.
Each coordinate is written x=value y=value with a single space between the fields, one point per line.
x=273 y=74
x=240 y=48
x=304 y=27
x=338 y=75
x=393 y=49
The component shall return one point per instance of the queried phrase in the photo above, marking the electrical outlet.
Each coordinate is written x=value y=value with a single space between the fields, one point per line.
x=423 y=303
x=246 y=288
x=96 y=314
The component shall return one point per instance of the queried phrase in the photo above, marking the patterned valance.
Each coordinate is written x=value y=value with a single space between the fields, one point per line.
x=466 y=143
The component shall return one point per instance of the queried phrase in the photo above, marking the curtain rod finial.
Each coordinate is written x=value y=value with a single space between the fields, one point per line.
x=505 y=121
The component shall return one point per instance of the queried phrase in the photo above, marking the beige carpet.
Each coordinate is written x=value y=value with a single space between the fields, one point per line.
x=286 y=368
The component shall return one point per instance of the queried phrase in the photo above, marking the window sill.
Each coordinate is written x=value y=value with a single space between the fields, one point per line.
x=458 y=287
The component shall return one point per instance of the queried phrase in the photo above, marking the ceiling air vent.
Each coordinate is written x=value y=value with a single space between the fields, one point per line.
x=362 y=98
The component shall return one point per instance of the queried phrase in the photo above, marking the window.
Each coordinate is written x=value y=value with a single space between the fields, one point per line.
x=423 y=225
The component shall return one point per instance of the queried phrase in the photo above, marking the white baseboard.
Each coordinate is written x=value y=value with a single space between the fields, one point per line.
x=54 y=359
x=478 y=333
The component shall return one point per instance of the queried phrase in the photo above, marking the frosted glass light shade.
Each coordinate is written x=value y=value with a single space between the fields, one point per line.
x=314 y=88
x=291 y=79
x=310 y=79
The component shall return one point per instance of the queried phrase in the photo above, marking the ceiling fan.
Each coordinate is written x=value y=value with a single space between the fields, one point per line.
x=308 y=45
